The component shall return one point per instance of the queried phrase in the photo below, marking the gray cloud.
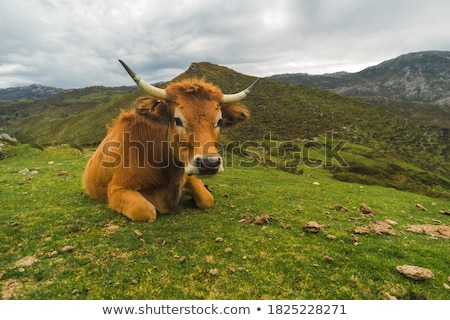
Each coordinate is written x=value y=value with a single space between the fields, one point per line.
x=76 y=43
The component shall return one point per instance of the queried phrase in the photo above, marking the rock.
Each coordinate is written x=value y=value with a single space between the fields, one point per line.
x=381 y=227
x=285 y=225
x=26 y=261
x=415 y=273
x=391 y=222
x=315 y=183
x=228 y=250
x=7 y=137
x=160 y=240
x=219 y=239
x=338 y=207
x=365 y=209
x=214 y=272
x=312 y=227
x=262 y=219
x=445 y=212
x=331 y=237
x=24 y=171
x=420 y=207
x=67 y=249
x=138 y=233
x=388 y=296
x=431 y=230
x=361 y=230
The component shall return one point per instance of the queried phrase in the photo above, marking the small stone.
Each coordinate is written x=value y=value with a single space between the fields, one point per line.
x=26 y=261
x=315 y=183
x=446 y=286
x=312 y=227
x=445 y=212
x=415 y=273
x=24 y=171
x=338 y=207
x=51 y=162
x=420 y=207
x=67 y=249
x=138 y=233
x=365 y=209
x=53 y=254
x=331 y=237
x=262 y=219
x=160 y=240
x=228 y=250
x=285 y=225
x=328 y=258
x=391 y=222
x=388 y=296
x=219 y=239
x=63 y=173
x=381 y=227
x=182 y=259
x=214 y=272
x=361 y=230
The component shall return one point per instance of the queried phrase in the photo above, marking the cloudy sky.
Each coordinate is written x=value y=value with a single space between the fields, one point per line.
x=76 y=43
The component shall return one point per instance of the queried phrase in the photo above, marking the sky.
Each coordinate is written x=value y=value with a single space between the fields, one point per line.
x=76 y=43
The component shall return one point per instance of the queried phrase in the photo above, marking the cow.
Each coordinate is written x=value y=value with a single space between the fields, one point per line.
x=154 y=153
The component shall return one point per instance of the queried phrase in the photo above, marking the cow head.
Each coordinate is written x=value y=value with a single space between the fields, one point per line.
x=194 y=113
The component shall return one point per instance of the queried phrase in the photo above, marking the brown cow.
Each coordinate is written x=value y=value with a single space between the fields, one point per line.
x=153 y=153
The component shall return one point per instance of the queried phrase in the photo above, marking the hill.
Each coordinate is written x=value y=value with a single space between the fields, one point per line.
x=421 y=76
x=379 y=147
x=419 y=80
x=32 y=91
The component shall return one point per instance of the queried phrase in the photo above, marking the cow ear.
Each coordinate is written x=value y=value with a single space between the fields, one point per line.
x=156 y=110
x=234 y=114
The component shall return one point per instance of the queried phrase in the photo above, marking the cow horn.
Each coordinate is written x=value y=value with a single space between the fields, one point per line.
x=151 y=90
x=228 y=98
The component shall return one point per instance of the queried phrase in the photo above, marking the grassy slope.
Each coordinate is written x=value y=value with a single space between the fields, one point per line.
x=114 y=258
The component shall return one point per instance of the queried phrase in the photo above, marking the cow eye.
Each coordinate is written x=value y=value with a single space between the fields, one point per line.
x=219 y=123
x=178 y=122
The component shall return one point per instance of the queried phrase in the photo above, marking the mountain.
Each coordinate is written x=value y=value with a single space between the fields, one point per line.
x=32 y=91
x=421 y=76
x=379 y=147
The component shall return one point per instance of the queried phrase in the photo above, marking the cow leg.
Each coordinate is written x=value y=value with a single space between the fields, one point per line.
x=202 y=197
x=131 y=204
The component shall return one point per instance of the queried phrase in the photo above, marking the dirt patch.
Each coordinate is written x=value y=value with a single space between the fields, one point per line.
x=365 y=209
x=26 y=261
x=312 y=227
x=10 y=289
x=431 y=230
x=381 y=227
x=415 y=273
x=377 y=227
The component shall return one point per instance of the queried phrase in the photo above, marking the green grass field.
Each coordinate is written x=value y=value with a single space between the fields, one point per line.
x=56 y=243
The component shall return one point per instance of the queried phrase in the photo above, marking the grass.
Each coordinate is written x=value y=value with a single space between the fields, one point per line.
x=83 y=250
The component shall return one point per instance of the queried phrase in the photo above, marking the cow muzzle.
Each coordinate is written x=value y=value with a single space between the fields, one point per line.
x=207 y=164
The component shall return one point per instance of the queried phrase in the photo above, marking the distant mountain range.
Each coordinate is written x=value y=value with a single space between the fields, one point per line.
x=32 y=91
x=41 y=92
x=421 y=76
